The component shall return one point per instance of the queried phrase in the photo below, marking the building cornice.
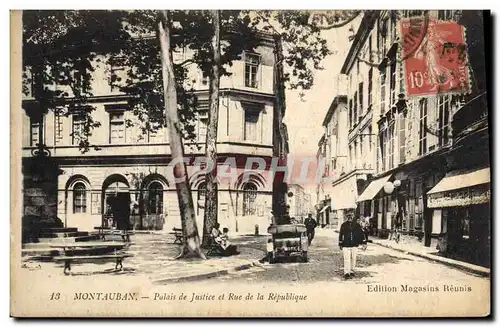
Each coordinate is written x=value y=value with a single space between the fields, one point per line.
x=350 y=174
x=423 y=160
x=333 y=106
x=366 y=25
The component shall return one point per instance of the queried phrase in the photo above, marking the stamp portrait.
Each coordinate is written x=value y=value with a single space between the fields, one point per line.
x=435 y=58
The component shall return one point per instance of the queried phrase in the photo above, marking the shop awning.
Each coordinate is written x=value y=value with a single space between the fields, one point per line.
x=324 y=209
x=373 y=189
x=344 y=195
x=461 y=189
x=458 y=180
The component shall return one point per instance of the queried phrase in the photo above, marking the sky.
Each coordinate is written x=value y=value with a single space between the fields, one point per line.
x=304 y=118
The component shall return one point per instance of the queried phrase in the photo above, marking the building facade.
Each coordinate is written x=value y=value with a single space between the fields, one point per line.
x=133 y=167
x=400 y=148
x=462 y=198
x=335 y=154
x=299 y=201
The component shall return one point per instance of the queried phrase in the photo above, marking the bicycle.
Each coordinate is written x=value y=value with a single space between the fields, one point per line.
x=395 y=235
x=364 y=245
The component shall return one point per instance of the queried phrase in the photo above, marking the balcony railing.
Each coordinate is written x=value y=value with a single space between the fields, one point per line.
x=473 y=115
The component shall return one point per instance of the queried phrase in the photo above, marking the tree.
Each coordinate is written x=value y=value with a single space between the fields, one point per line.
x=186 y=207
x=211 y=194
x=129 y=39
x=82 y=36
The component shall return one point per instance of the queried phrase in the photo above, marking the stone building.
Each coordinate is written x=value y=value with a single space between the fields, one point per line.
x=403 y=151
x=130 y=166
x=299 y=201
x=335 y=154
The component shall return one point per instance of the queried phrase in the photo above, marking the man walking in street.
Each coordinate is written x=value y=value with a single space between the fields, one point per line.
x=310 y=226
x=350 y=237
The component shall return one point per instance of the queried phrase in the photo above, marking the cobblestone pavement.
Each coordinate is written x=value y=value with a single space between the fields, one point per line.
x=375 y=265
x=315 y=288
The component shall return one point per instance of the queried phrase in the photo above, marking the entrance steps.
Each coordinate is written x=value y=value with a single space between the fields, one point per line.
x=69 y=239
x=42 y=249
x=60 y=230
x=62 y=234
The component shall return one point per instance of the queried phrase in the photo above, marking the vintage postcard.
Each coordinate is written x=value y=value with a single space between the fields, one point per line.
x=244 y=163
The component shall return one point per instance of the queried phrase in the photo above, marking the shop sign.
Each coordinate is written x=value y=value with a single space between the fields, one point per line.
x=458 y=198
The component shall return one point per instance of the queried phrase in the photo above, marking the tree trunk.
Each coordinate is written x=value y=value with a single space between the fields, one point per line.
x=211 y=195
x=279 y=135
x=188 y=218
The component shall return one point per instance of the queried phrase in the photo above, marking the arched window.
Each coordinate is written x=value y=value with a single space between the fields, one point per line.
x=201 y=197
x=155 y=196
x=249 y=196
x=79 y=198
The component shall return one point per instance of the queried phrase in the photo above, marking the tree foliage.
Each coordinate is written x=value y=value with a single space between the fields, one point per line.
x=64 y=48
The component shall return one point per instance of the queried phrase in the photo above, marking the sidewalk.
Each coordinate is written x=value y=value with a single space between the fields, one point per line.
x=418 y=249
x=154 y=260
x=429 y=253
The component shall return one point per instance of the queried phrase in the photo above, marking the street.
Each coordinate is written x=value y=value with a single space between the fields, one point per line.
x=375 y=265
x=388 y=283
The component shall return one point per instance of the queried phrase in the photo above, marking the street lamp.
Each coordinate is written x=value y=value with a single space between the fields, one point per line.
x=390 y=186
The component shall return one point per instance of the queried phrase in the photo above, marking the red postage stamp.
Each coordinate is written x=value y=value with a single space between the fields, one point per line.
x=435 y=56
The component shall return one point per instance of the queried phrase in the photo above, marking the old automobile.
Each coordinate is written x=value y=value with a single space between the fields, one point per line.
x=287 y=242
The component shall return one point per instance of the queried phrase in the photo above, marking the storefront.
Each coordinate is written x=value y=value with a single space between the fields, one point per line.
x=343 y=200
x=377 y=211
x=461 y=201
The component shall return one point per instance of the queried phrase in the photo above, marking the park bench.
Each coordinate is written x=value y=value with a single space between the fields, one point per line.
x=177 y=232
x=104 y=231
x=68 y=260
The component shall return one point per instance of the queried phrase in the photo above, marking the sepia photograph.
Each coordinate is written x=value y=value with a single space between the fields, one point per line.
x=250 y=163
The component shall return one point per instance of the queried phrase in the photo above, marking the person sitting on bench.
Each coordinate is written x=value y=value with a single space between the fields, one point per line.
x=216 y=234
x=227 y=248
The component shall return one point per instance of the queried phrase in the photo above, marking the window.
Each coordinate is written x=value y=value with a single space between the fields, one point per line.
x=204 y=80
x=393 y=25
x=383 y=149
x=370 y=139
x=79 y=198
x=249 y=196
x=382 y=91
x=444 y=120
x=370 y=48
x=152 y=136
x=445 y=14
x=402 y=138
x=355 y=154
x=78 y=78
x=392 y=82
x=355 y=108
x=370 y=87
x=350 y=114
x=201 y=196
x=252 y=62
x=59 y=128
x=360 y=90
x=390 y=145
x=423 y=127
x=251 y=120
x=117 y=72
x=383 y=37
x=34 y=131
x=78 y=128
x=155 y=198
x=351 y=156
x=401 y=79
x=116 y=127
x=202 y=125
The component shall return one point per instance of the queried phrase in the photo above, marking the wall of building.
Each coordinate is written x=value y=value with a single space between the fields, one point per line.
x=137 y=160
